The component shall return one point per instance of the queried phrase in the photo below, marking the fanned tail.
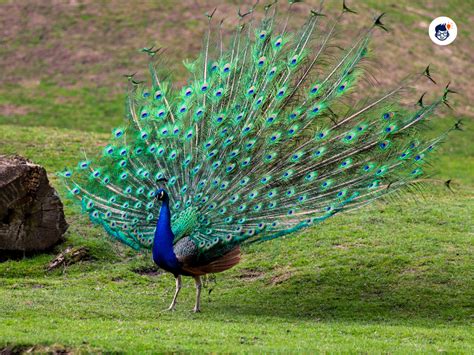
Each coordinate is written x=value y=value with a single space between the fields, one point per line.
x=255 y=145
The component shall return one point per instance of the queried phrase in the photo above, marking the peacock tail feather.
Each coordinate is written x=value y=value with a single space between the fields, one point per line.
x=254 y=146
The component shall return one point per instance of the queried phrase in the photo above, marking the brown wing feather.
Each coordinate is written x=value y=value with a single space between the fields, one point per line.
x=223 y=263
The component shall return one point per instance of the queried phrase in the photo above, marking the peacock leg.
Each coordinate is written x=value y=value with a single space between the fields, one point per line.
x=197 y=307
x=172 y=306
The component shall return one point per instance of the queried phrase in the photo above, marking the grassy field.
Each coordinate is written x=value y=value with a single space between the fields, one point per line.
x=392 y=278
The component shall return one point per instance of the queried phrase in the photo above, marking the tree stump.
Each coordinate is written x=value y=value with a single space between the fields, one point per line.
x=31 y=213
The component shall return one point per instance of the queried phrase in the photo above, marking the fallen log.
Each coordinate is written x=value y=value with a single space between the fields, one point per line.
x=68 y=257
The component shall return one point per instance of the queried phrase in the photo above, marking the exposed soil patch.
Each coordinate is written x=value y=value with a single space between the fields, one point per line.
x=148 y=271
x=412 y=271
x=27 y=349
x=250 y=274
x=13 y=110
x=346 y=246
x=276 y=280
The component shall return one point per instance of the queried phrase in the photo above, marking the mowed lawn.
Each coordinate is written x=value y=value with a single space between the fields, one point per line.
x=396 y=277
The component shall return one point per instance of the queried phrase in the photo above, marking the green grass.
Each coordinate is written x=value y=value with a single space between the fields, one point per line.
x=394 y=278
x=77 y=108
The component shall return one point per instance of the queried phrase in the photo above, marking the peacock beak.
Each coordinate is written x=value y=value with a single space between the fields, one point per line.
x=160 y=195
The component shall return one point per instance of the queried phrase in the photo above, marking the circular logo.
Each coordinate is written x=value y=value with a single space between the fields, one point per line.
x=443 y=31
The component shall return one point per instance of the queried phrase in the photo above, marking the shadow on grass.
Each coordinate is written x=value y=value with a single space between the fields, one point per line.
x=355 y=298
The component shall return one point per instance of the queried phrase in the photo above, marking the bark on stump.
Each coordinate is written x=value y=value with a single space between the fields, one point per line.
x=31 y=213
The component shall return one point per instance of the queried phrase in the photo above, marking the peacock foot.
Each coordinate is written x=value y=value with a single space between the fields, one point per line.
x=171 y=308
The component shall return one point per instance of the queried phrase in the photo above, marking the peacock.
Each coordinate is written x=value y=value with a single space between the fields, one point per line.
x=261 y=142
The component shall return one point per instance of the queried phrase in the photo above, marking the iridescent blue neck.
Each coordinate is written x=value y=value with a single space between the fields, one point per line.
x=163 y=253
x=163 y=234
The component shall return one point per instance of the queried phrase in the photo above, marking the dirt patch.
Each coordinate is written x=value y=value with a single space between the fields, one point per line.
x=27 y=349
x=346 y=246
x=278 y=279
x=412 y=271
x=250 y=274
x=148 y=271
x=13 y=110
x=341 y=246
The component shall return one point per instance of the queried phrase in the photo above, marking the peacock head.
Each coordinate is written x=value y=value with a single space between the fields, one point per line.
x=161 y=194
